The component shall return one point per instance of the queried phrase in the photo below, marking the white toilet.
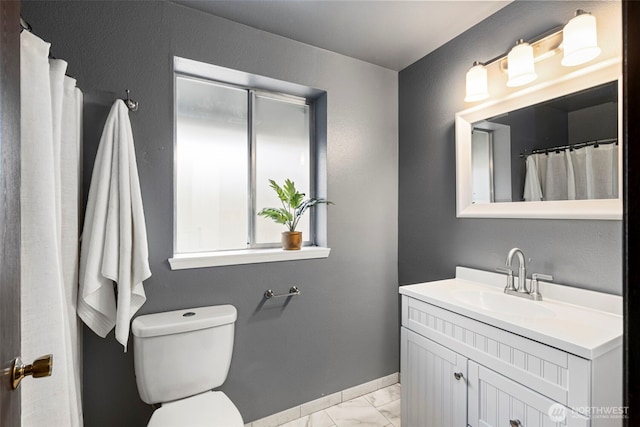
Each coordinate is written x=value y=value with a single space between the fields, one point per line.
x=180 y=356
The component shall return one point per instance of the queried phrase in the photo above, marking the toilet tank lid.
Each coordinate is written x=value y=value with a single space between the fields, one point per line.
x=190 y=319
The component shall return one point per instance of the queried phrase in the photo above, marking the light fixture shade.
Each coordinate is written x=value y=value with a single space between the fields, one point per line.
x=580 y=39
x=477 y=86
x=522 y=69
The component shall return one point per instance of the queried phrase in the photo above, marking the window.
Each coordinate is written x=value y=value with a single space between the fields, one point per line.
x=230 y=140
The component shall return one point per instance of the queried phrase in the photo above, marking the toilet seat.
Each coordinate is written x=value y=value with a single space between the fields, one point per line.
x=209 y=409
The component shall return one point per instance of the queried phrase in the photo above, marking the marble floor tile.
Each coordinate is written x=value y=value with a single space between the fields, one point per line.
x=380 y=408
x=317 y=419
x=384 y=396
x=356 y=412
x=391 y=411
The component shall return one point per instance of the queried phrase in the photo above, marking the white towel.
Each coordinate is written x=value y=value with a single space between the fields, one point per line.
x=114 y=241
x=532 y=188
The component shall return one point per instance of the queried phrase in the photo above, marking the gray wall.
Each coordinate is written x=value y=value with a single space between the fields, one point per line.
x=432 y=241
x=343 y=329
x=597 y=122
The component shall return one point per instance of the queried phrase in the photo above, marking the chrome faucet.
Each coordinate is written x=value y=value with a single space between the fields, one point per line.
x=522 y=290
x=522 y=269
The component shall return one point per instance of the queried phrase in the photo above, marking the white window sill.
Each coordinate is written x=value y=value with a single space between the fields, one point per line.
x=246 y=256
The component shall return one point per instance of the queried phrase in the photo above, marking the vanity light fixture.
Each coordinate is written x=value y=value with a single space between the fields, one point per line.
x=578 y=39
x=477 y=89
x=521 y=69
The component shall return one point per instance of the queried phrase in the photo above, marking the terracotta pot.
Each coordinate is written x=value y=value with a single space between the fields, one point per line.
x=291 y=240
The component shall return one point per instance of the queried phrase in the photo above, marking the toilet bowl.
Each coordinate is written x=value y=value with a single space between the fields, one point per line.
x=180 y=357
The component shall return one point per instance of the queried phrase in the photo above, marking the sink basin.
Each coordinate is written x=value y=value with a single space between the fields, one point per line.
x=567 y=318
x=497 y=302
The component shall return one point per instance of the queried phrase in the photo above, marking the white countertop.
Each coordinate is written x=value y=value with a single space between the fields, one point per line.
x=587 y=330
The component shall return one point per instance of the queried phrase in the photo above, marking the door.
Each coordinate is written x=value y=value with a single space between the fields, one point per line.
x=496 y=401
x=434 y=383
x=482 y=166
x=9 y=207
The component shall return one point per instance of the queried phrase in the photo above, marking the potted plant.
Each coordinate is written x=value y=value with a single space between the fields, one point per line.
x=293 y=207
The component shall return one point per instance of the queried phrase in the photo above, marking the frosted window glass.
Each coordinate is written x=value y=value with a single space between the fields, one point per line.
x=282 y=151
x=211 y=167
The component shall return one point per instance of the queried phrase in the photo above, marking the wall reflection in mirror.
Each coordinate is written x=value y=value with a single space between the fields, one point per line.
x=562 y=149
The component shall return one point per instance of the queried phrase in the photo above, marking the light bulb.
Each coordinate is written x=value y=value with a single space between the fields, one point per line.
x=477 y=86
x=521 y=67
x=580 y=39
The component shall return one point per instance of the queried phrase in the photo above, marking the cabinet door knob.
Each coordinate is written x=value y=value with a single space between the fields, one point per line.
x=458 y=375
x=515 y=423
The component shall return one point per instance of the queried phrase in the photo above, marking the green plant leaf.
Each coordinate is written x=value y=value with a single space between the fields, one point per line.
x=309 y=203
x=290 y=192
x=280 y=215
x=279 y=191
x=296 y=199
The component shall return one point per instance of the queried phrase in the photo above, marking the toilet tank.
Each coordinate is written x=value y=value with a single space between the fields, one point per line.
x=184 y=352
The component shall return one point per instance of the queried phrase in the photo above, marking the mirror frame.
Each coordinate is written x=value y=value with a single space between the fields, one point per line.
x=584 y=78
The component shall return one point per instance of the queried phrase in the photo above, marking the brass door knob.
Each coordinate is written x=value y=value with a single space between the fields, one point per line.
x=41 y=367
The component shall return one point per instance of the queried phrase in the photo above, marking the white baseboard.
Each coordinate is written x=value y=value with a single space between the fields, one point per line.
x=325 y=402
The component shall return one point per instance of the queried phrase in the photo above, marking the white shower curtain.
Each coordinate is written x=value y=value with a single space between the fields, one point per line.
x=532 y=186
x=51 y=108
x=557 y=177
x=596 y=172
x=584 y=173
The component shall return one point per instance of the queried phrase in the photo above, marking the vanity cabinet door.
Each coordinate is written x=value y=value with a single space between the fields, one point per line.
x=434 y=383
x=496 y=401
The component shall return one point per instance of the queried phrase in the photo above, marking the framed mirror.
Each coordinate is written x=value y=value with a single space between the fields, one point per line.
x=546 y=151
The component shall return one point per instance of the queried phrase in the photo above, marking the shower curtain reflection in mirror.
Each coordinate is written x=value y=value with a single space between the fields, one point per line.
x=585 y=173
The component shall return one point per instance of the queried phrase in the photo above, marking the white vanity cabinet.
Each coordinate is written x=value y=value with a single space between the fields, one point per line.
x=434 y=392
x=494 y=400
x=460 y=369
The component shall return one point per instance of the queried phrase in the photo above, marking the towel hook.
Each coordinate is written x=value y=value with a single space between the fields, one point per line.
x=131 y=104
x=24 y=25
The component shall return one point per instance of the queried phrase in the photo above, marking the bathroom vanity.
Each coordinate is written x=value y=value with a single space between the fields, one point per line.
x=472 y=355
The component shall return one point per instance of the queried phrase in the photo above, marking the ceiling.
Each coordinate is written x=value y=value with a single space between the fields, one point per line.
x=389 y=33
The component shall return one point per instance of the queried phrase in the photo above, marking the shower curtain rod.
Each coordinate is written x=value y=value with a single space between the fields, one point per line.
x=559 y=148
x=130 y=103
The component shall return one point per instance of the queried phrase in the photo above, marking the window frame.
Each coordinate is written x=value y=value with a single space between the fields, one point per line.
x=314 y=246
x=252 y=192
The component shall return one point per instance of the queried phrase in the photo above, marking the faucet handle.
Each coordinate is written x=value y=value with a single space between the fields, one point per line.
x=535 y=287
x=509 y=272
x=538 y=276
